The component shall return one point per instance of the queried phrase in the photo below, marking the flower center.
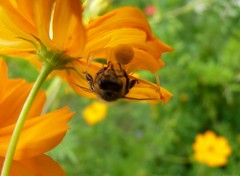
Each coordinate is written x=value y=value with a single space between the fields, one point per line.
x=211 y=149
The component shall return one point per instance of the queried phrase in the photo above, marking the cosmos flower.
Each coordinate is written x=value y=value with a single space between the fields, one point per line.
x=211 y=149
x=94 y=112
x=40 y=134
x=53 y=31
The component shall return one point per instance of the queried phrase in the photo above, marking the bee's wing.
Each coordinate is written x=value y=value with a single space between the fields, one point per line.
x=146 y=91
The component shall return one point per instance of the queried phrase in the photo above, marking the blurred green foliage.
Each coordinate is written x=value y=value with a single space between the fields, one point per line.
x=203 y=73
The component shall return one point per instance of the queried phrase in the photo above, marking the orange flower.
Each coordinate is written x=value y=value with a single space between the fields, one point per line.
x=58 y=26
x=40 y=134
x=211 y=149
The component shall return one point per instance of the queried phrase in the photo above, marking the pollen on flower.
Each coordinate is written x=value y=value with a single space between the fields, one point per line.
x=123 y=53
x=211 y=149
x=95 y=112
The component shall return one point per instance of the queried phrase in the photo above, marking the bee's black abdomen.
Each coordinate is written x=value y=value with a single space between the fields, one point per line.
x=110 y=85
x=110 y=96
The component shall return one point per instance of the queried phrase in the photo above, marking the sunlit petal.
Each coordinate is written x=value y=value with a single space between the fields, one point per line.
x=42 y=11
x=16 y=18
x=68 y=31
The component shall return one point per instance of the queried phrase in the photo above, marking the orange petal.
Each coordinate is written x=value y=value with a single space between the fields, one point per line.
x=127 y=26
x=14 y=98
x=12 y=104
x=12 y=26
x=149 y=92
x=126 y=17
x=17 y=21
x=143 y=60
x=42 y=11
x=68 y=31
x=42 y=165
x=39 y=135
x=22 y=18
x=3 y=78
x=9 y=41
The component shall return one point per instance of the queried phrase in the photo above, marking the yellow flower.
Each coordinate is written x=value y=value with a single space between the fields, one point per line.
x=40 y=133
x=95 y=112
x=211 y=149
x=67 y=43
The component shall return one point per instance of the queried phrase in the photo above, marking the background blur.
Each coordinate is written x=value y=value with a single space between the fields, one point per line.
x=139 y=139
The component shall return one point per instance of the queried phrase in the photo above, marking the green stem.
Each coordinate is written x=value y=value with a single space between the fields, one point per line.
x=22 y=117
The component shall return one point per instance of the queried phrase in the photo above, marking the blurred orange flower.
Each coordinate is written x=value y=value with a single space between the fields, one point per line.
x=40 y=133
x=95 y=112
x=65 y=40
x=211 y=150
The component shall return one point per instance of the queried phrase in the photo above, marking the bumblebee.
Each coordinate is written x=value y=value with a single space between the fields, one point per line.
x=111 y=83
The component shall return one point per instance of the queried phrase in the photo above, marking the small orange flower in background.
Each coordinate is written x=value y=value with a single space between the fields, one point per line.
x=211 y=149
x=66 y=42
x=40 y=134
x=95 y=112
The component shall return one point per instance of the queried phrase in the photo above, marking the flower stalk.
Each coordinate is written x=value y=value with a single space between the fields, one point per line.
x=46 y=70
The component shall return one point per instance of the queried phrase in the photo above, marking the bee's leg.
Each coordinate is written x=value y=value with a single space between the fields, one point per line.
x=109 y=64
x=104 y=69
x=101 y=71
x=132 y=83
x=120 y=67
x=158 y=85
x=90 y=81
x=129 y=84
